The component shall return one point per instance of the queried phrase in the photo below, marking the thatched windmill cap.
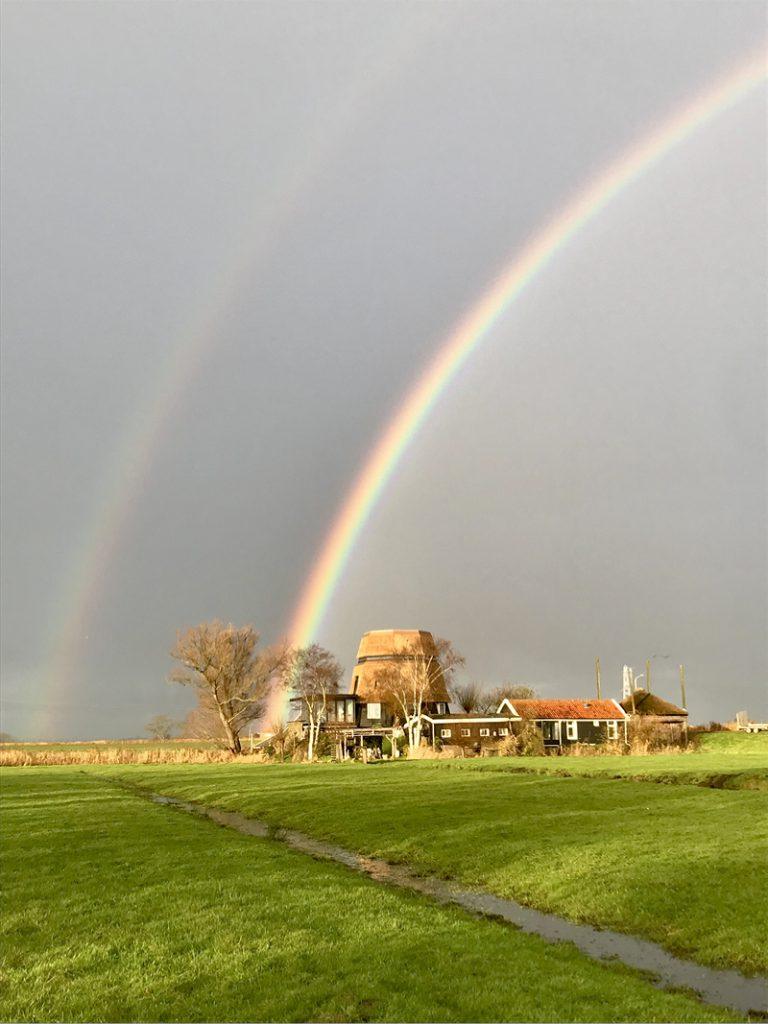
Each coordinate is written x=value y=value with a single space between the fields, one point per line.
x=382 y=649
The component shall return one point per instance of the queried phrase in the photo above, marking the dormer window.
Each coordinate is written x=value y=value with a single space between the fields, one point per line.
x=373 y=710
x=442 y=708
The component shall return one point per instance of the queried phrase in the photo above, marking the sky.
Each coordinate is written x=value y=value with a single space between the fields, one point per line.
x=232 y=237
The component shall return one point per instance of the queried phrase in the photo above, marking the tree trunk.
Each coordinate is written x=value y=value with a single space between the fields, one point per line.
x=233 y=739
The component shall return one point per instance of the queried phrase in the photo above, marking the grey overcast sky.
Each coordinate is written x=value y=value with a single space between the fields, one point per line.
x=262 y=219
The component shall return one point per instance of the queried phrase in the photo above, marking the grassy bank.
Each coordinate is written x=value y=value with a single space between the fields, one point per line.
x=681 y=865
x=117 y=909
x=722 y=760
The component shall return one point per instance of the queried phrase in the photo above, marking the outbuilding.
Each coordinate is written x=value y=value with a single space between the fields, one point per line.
x=471 y=731
x=654 y=709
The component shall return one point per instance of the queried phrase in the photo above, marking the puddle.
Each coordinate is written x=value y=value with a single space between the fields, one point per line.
x=721 y=988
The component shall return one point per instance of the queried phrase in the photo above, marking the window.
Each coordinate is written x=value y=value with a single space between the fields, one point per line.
x=595 y=722
x=485 y=732
x=445 y=733
x=466 y=732
x=373 y=710
x=350 y=711
x=441 y=708
x=503 y=732
x=613 y=730
x=572 y=730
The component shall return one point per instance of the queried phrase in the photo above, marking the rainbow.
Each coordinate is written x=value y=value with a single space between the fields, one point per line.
x=181 y=361
x=475 y=325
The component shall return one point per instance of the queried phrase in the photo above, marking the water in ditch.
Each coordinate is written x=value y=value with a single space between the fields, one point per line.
x=721 y=988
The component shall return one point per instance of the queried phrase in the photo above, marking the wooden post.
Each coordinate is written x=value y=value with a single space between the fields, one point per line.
x=648 y=674
x=597 y=678
x=682 y=696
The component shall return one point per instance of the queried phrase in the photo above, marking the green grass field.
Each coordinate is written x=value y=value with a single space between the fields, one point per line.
x=117 y=909
x=723 y=760
x=682 y=865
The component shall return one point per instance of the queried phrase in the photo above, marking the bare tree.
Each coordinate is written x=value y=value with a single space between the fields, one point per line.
x=409 y=685
x=468 y=697
x=232 y=678
x=491 y=699
x=449 y=658
x=203 y=721
x=515 y=691
x=313 y=674
x=161 y=727
x=279 y=737
x=420 y=678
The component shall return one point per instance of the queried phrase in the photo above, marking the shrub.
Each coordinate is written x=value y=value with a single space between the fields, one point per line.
x=647 y=737
x=530 y=742
x=325 y=746
x=508 y=746
x=525 y=741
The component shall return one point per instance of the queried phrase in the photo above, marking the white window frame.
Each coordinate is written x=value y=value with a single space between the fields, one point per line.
x=572 y=729
x=485 y=732
x=466 y=732
x=503 y=732
x=373 y=709
x=445 y=734
x=613 y=730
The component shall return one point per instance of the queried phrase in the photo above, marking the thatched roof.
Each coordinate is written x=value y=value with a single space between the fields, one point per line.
x=651 y=704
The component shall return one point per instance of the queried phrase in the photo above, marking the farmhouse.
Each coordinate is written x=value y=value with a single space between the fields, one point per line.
x=372 y=715
x=562 y=722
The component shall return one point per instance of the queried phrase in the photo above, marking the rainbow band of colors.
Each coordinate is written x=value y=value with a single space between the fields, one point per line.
x=475 y=325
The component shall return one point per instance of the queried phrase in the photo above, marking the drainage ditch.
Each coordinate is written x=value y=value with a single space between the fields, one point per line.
x=748 y=995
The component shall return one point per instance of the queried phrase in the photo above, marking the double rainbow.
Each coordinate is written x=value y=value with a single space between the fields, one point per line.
x=400 y=432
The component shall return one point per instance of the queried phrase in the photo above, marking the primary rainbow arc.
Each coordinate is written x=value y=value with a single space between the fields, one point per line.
x=378 y=468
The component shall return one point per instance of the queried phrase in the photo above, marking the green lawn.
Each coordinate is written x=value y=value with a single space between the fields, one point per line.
x=117 y=909
x=682 y=865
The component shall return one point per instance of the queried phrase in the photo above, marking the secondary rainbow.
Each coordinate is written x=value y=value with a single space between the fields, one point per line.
x=74 y=609
x=473 y=327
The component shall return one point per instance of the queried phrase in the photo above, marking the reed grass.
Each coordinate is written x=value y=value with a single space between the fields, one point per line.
x=22 y=757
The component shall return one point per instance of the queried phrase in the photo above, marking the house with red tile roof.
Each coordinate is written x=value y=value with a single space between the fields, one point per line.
x=562 y=722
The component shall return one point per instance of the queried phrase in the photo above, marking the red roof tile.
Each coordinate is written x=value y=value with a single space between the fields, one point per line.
x=599 y=710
